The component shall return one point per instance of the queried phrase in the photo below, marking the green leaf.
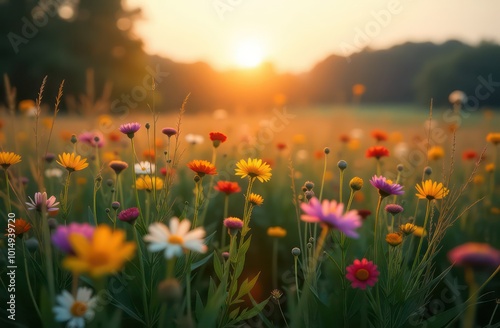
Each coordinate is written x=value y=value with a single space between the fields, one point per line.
x=212 y=287
x=198 y=264
x=262 y=317
x=125 y=309
x=233 y=290
x=247 y=286
x=90 y=216
x=199 y=306
x=218 y=267
x=253 y=311
x=234 y=313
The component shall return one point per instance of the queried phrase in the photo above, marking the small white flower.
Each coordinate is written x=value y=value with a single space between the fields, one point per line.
x=75 y=311
x=54 y=172
x=144 y=168
x=194 y=139
x=176 y=239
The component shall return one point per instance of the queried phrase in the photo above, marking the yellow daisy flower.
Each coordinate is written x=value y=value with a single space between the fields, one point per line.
x=253 y=168
x=145 y=182
x=431 y=190
x=7 y=159
x=255 y=199
x=494 y=138
x=435 y=153
x=277 y=232
x=104 y=254
x=72 y=162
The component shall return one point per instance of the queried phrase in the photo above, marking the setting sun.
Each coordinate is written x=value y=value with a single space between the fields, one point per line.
x=249 y=53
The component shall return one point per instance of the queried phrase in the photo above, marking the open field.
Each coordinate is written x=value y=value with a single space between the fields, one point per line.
x=176 y=283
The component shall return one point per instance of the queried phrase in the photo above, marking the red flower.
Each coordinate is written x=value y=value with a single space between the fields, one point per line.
x=379 y=135
x=227 y=187
x=362 y=273
x=377 y=152
x=217 y=138
x=281 y=145
x=345 y=138
x=469 y=155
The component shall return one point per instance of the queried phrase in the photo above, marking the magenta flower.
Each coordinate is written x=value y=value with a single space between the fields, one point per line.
x=40 y=199
x=393 y=209
x=169 y=132
x=475 y=255
x=129 y=215
x=129 y=129
x=92 y=139
x=362 y=273
x=60 y=238
x=386 y=187
x=331 y=214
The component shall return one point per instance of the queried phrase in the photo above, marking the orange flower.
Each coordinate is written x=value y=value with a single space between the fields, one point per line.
x=149 y=154
x=217 y=138
x=379 y=135
x=20 y=226
x=377 y=152
x=201 y=167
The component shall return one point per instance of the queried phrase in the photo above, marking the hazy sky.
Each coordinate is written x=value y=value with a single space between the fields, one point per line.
x=295 y=34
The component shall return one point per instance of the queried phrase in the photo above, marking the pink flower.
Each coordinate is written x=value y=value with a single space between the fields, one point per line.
x=362 y=273
x=331 y=214
x=475 y=255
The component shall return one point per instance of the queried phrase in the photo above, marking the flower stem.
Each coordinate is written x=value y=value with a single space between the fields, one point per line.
x=375 y=235
x=417 y=254
x=341 y=182
x=224 y=229
x=135 y=189
x=470 y=313
x=7 y=200
x=30 y=289
x=295 y=260
x=143 y=277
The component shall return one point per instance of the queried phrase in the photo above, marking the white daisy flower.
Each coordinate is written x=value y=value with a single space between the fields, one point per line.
x=194 y=139
x=75 y=311
x=54 y=173
x=176 y=238
x=144 y=168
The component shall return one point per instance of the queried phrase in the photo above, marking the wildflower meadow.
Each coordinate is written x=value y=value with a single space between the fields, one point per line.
x=294 y=217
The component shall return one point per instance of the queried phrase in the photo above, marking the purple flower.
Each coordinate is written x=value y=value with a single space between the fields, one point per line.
x=130 y=128
x=129 y=215
x=92 y=139
x=233 y=223
x=330 y=213
x=169 y=132
x=386 y=187
x=60 y=238
x=393 y=209
x=40 y=199
x=475 y=255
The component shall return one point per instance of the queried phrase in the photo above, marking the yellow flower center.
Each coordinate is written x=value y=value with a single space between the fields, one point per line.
x=98 y=258
x=175 y=239
x=78 y=309
x=362 y=274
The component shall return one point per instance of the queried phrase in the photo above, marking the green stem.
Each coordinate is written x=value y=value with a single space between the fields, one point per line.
x=341 y=182
x=349 y=202
x=30 y=289
x=375 y=236
x=7 y=200
x=48 y=256
x=141 y=217
x=197 y=201
x=143 y=277
x=470 y=313
x=224 y=229
x=417 y=254
x=295 y=260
